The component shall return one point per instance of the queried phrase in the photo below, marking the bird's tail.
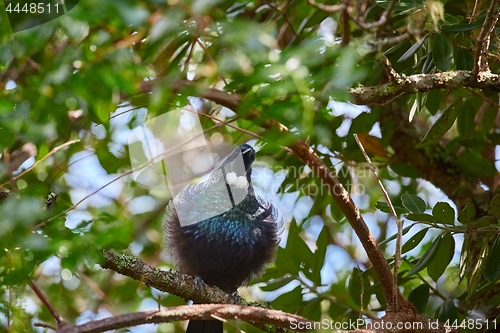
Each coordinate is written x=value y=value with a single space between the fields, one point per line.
x=204 y=326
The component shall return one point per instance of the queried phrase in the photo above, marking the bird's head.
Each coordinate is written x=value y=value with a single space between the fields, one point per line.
x=248 y=154
x=236 y=172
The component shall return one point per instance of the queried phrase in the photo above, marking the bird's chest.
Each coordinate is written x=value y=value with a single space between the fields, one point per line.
x=227 y=231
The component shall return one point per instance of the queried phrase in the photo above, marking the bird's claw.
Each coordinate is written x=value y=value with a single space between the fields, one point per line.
x=236 y=298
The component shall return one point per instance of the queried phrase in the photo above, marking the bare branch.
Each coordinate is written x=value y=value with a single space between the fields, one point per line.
x=196 y=312
x=52 y=152
x=178 y=284
x=423 y=82
x=346 y=29
x=381 y=21
x=172 y=282
x=60 y=321
x=37 y=324
x=380 y=94
x=483 y=41
x=327 y=8
x=19 y=156
x=346 y=204
x=397 y=255
x=385 y=43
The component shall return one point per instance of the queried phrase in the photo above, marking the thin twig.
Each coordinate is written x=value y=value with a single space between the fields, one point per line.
x=52 y=152
x=45 y=326
x=346 y=29
x=228 y=123
x=91 y=283
x=327 y=8
x=385 y=43
x=126 y=111
x=190 y=54
x=381 y=21
x=397 y=256
x=60 y=321
x=200 y=43
x=287 y=22
x=484 y=98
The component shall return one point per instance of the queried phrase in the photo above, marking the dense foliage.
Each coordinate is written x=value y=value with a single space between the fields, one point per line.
x=279 y=72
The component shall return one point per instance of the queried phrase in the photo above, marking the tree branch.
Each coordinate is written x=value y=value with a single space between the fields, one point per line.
x=346 y=204
x=483 y=41
x=184 y=286
x=195 y=312
x=423 y=82
x=171 y=282
x=381 y=21
x=380 y=94
x=327 y=8
x=60 y=321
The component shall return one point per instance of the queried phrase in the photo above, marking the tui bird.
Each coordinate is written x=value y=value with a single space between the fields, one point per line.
x=230 y=248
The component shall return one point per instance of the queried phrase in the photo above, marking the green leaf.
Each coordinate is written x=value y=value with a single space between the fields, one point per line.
x=443 y=256
x=492 y=265
x=464 y=60
x=420 y=217
x=476 y=164
x=433 y=101
x=384 y=207
x=426 y=258
x=414 y=48
x=405 y=170
x=358 y=286
x=401 y=7
x=6 y=138
x=464 y=263
x=414 y=240
x=464 y=27
x=298 y=254
x=277 y=283
x=465 y=120
x=447 y=311
x=428 y=65
x=337 y=310
x=413 y=203
x=393 y=237
x=420 y=297
x=442 y=125
x=495 y=206
x=355 y=284
x=444 y=213
x=442 y=53
x=477 y=271
x=467 y=214
x=289 y=301
x=484 y=221
x=312 y=309
x=319 y=256
x=336 y=212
